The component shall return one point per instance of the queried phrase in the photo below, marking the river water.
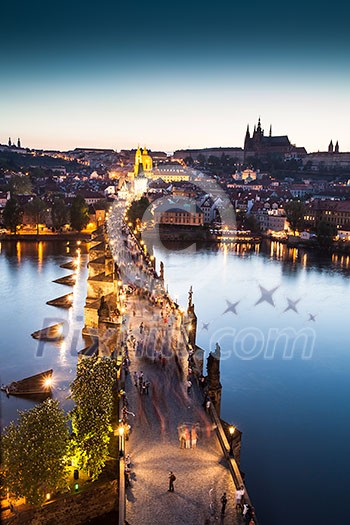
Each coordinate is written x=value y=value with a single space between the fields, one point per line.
x=285 y=377
x=27 y=271
x=285 y=374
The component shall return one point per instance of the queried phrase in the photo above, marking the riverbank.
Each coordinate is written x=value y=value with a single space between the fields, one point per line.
x=62 y=236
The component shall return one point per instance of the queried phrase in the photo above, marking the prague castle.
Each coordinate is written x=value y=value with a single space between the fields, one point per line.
x=262 y=146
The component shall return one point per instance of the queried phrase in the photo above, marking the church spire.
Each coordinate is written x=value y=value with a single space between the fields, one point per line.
x=270 y=134
x=336 y=148
x=330 y=147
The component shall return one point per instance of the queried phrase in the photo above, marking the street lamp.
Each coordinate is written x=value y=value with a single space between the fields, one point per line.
x=231 y=431
x=121 y=440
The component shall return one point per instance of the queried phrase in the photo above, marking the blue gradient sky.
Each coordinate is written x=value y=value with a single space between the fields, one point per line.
x=173 y=75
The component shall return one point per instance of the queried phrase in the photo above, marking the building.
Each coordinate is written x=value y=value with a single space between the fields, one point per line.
x=335 y=213
x=262 y=146
x=246 y=175
x=184 y=215
x=168 y=172
x=198 y=154
x=143 y=162
x=140 y=182
x=91 y=197
x=333 y=158
x=301 y=190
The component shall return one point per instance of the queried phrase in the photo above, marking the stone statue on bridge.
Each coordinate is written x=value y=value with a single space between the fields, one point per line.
x=214 y=385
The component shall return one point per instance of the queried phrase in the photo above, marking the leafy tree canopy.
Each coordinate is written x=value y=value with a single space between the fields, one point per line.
x=79 y=213
x=59 y=213
x=12 y=214
x=35 y=210
x=34 y=452
x=325 y=234
x=295 y=211
x=137 y=209
x=20 y=185
x=92 y=391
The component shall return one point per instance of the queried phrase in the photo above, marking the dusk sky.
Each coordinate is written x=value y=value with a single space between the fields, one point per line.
x=175 y=75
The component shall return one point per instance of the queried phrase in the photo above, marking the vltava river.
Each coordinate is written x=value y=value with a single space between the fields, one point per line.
x=27 y=270
x=285 y=376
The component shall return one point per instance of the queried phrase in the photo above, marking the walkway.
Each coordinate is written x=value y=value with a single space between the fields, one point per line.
x=202 y=474
x=154 y=445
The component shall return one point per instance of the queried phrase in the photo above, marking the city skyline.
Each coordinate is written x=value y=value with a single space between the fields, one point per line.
x=173 y=78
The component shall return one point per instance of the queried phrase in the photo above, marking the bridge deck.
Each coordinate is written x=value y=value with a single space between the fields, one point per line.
x=154 y=443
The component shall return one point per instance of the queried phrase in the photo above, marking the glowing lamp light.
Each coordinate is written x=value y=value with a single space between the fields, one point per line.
x=78 y=243
x=48 y=496
x=76 y=487
x=231 y=430
x=48 y=382
x=121 y=431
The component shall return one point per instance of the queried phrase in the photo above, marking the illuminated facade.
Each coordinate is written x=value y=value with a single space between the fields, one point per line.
x=143 y=162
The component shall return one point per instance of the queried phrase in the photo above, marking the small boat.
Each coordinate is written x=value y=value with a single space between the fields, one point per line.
x=37 y=386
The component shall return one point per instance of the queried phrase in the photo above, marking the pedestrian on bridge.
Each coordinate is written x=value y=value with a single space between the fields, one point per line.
x=223 y=504
x=194 y=436
x=172 y=478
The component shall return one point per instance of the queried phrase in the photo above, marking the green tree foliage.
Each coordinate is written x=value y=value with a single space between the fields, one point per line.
x=137 y=210
x=59 y=213
x=295 y=211
x=79 y=213
x=20 y=185
x=92 y=391
x=37 y=173
x=35 y=210
x=12 y=214
x=34 y=453
x=250 y=223
x=325 y=234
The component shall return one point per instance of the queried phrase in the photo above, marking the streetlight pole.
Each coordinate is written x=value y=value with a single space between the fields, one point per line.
x=232 y=431
x=121 y=441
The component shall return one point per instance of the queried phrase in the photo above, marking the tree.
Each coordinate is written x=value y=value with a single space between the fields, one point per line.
x=250 y=223
x=79 y=213
x=92 y=391
x=325 y=234
x=295 y=211
x=12 y=214
x=34 y=453
x=35 y=210
x=20 y=185
x=59 y=213
x=137 y=210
